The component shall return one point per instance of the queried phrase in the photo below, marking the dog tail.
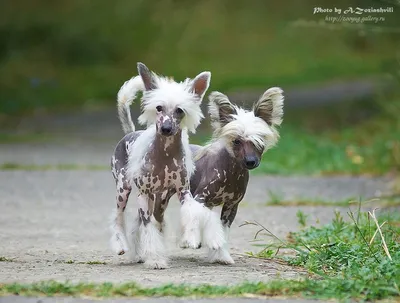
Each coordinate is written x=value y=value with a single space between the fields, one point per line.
x=126 y=95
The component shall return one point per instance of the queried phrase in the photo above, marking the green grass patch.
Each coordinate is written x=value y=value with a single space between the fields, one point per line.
x=351 y=259
x=6 y=138
x=5 y=259
x=28 y=167
x=277 y=199
x=392 y=200
x=52 y=288
x=351 y=151
x=326 y=142
x=94 y=262
x=308 y=202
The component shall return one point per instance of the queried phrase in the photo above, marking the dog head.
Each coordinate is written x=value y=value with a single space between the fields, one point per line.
x=247 y=134
x=170 y=105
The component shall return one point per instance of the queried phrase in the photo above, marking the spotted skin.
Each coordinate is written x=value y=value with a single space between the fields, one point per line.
x=219 y=179
x=163 y=175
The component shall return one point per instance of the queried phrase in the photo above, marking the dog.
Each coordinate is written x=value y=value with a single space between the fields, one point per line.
x=240 y=137
x=158 y=162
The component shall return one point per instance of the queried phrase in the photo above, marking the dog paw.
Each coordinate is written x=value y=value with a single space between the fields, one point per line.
x=213 y=233
x=156 y=263
x=191 y=239
x=137 y=259
x=220 y=256
x=214 y=243
x=119 y=244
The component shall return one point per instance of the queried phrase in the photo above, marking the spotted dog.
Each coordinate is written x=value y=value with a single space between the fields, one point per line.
x=239 y=139
x=158 y=162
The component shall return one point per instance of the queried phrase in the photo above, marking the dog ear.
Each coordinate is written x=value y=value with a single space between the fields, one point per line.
x=270 y=106
x=220 y=110
x=147 y=76
x=200 y=84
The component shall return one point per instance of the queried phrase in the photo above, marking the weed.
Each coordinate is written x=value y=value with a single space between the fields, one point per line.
x=352 y=261
x=95 y=262
x=302 y=218
x=275 y=198
x=5 y=259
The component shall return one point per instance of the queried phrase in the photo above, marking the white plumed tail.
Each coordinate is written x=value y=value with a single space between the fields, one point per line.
x=126 y=95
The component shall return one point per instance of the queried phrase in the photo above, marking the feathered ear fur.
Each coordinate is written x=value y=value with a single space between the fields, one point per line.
x=147 y=76
x=220 y=110
x=200 y=84
x=270 y=106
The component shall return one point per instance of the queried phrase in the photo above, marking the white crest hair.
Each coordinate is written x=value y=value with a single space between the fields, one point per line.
x=140 y=146
x=171 y=94
x=230 y=121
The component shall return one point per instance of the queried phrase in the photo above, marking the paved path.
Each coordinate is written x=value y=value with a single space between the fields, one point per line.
x=49 y=218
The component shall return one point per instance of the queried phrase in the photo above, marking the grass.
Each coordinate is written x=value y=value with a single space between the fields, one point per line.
x=351 y=259
x=351 y=152
x=325 y=144
x=277 y=199
x=32 y=167
x=5 y=259
x=390 y=200
x=308 y=202
x=52 y=288
x=7 y=138
x=94 y=262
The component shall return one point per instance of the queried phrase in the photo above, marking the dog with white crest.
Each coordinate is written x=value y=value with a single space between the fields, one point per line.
x=240 y=137
x=158 y=163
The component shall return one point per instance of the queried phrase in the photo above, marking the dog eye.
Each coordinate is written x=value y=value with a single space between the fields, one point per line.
x=237 y=142
x=179 y=111
x=159 y=108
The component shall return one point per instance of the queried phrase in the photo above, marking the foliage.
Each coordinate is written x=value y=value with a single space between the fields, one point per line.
x=75 y=53
x=371 y=146
x=349 y=258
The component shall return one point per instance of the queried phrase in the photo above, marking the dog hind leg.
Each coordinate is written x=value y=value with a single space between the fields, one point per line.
x=118 y=239
x=192 y=213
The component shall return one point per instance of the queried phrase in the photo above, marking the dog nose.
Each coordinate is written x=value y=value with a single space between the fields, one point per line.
x=250 y=162
x=166 y=130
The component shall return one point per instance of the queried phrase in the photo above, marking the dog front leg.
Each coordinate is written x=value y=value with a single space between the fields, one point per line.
x=150 y=242
x=160 y=205
x=222 y=254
